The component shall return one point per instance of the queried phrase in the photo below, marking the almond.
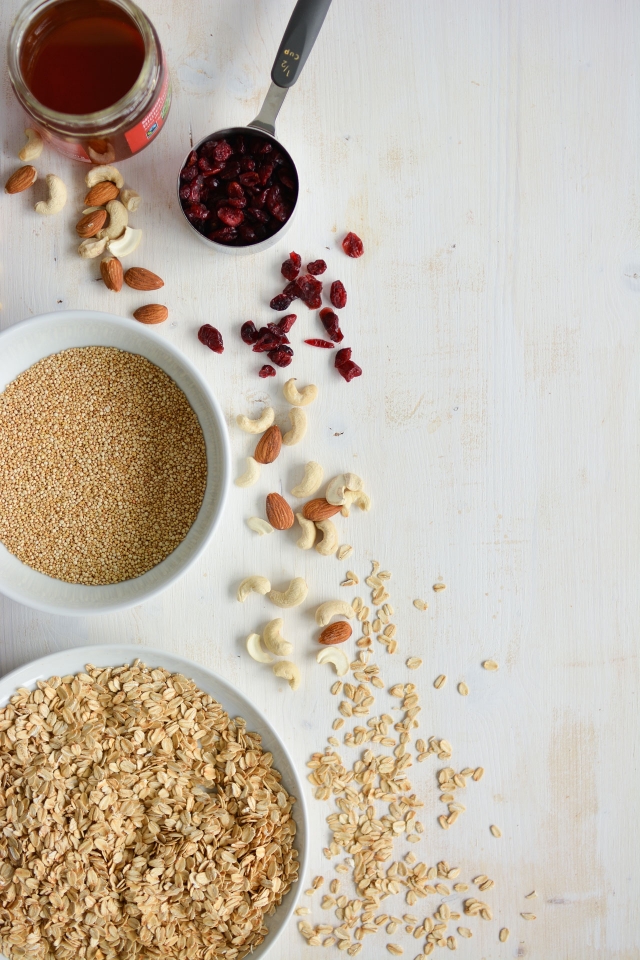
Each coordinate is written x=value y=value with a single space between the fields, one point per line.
x=22 y=179
x=151 y=313
x=111 y=270
x=89 y=225
x=141 y=279
x=279 y=513
x=319 y=509
x=269 y=445
x=336 y=632
x=101 y=194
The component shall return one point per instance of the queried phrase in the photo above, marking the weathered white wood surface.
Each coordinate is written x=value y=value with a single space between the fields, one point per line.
x=488 y=155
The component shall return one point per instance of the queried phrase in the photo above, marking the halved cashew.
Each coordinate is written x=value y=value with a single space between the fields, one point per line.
x=102 y=173
x=118 y=220
x=251 y=474
x=33 y=147
x=263 y=422
x=254 y=648
x=359 y=497
x=308 y=536
x=57 y=197
x=259 y=526
x=336 y=657
x=311 y=482
x=329 y=543
x=127 y=243
x=287 y=671
x=295 y=594
x=130 y=199
x=339 y=486
x=299 y=398
x=92 y=247
x=253 y=584
x=273 y=639
x=298 y=427
x=333 y=608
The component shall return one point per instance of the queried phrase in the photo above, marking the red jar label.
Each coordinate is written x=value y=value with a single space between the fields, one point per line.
x=149 y=127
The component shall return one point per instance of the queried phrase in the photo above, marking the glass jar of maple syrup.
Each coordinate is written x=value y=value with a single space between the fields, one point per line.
x=91 y=75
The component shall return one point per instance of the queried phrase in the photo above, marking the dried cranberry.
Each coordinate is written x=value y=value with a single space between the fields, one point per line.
x=280 y=302
x=264 y=147
x=231 y=170
x=196 y=211
x=222 y=151
x=349 y=370
x=247 y=164
x=314 y=303
x=265 y=172
x=224 y=235
x=187 y=174
x=287 y=322
x=308 y=288
x=266 y=371
x=230 y=216
x=281 y=356
x=238 y=203
x=343 y=355
x=291 y=291
x=247 y=233
x=249 y=179
x=331 y=323
x=291 y=267
x=278 y=332
x=286 y=180
x=316 y=267
x=248 y=332
x=320 y=343
x=266 y=341
x=235 y=191
x=211 y=338
x=258 y=215
x=338 y=294
x=352 y=245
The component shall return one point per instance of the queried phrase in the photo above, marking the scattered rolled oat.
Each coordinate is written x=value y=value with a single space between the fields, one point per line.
x=465 y=932
x=503 y=936
x=463 y=689
x=344 y=551
x=496 y=831
x=414 y=662
x=395 y=949
x=440 y=681
x=478 y=773
x=528 y=916
x=490 y=665
x=532 y=895
x=437 y=587
x=420 y=604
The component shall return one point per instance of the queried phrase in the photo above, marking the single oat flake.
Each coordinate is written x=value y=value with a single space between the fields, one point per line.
x=420 y=604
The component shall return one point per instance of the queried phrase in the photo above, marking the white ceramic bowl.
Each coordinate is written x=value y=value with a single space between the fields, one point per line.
x=29 y=341
x=114 y=655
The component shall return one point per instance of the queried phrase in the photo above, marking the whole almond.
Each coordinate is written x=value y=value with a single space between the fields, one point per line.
x=151 y=313
x=336 y=632
x=101 y=194
x=279 y=513
x=269 y=445
x=319 y=509
x=111 y=270
x=89 y=225
x=21 y=179
x=141 y=279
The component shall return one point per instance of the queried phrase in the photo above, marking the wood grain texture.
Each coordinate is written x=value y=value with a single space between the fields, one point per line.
x=487 y=154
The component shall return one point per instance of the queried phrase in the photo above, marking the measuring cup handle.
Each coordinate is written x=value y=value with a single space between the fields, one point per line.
x=299 y=37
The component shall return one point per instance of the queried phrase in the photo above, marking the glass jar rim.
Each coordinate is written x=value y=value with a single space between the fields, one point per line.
x=106 y=120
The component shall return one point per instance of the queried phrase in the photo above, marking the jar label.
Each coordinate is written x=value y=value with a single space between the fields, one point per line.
x=143 y=132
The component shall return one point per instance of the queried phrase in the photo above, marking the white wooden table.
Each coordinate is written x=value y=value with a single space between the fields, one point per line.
x=487 y=153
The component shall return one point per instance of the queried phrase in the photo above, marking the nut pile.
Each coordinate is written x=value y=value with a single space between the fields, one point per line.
x=137 y=820
x=103 y=466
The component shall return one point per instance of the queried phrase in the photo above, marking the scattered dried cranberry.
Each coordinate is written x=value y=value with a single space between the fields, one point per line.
x=266 y=371
x=352 y=245
x=320 y=343
x=211 y=338
x=343 y=355
x=291 y=267
x=331 y=323
x=248 y=332
x=287 y=322
x=280 y=302
x=267 y=340
x=281 y=356
x=278 y=332
x=291 y=290
x=316 y=267
x=338 y=294
x=349 y=370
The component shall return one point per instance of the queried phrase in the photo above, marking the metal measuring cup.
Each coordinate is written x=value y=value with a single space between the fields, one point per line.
x=298 y=39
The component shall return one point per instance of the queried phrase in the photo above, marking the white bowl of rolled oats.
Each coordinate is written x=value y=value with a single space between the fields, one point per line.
x=115 y=462
x=141 y=816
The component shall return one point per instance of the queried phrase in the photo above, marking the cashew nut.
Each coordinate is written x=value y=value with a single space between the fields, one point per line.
x=251 y=474
x=295 y=594
x=336 y=657
x=273 y=639
x=118 y=220
x=259 y=526
x=298 y=427
x=100 y=174
x=263 y=422
x=287 y=671
x=359 y=497
x=333 y=608
x=90 y=210
x=253 y=584
x=131 y=199
x=254 y=648
x=299 y=398
x=92 y=247
x=329 y=542
x=57 y=197
x=127 y=243
x=33 y=147
x=337 y=487
x=311 y=481
x=101 y=151
x=308 y=535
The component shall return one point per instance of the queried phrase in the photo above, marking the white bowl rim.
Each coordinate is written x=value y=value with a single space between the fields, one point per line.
x=11 y=681
x=141 y=330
